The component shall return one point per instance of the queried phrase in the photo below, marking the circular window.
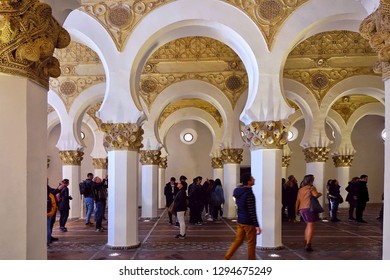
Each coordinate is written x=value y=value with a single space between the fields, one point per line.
x=82 y=135
x=188 y=136
x=292 y=134
x=383 y=134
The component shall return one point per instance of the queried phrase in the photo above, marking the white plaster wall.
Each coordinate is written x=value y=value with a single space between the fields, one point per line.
x=189 y=160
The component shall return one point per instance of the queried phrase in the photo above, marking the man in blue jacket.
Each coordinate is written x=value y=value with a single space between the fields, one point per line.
x=247 y=224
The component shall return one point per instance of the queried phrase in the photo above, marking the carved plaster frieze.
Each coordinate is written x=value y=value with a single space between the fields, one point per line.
x=286 y=161
x=231 y=156
x=163 y=163
x=122 y=136
x=266 y=135
x=100 y=163
x=71 y=157
x=92 y=113
x=190 y=103
x=216 y=162
x=342 y=160
x=375 y=28
x=76 y=54
x=316 y=154
x=347 y=105
x=150 y=157
x=29 y=35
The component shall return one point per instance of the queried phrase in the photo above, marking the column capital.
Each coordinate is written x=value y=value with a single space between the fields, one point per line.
x=216 y=162
x=286 y=161
x=100 y=163
x=163 y=163
x=71 y=157
x=375 y=28
x=122 y=136
x=342 y=160
x=231 y=156
x=316 y=154
x=150 y=157
x=28 y=36
x=266 y=135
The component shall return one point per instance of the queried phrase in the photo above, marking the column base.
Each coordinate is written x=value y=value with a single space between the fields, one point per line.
x=271 y=248
x=123 y=247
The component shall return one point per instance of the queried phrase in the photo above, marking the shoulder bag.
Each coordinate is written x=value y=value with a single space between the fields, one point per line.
x=315 y=205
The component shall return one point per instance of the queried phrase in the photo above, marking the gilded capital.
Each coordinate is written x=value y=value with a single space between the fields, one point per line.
x=28 y=36
x=286 y=161
x=266 y=135
x=216 y=162
x=122 y=136
x=163 y=163
x=316 y=154
x=100 y=163
x=231 y=156
x=343 y=160
x=375 y=28
x=150 y=157
x=71 y=157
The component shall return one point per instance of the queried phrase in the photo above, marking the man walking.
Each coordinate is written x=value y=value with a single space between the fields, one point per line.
x=88 y=197
x=247 y=224
x=362 y=198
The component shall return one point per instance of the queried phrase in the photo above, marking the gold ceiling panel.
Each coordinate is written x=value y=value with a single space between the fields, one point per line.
x=193 y=58
x=92 y=112
x=77 y=53
x=190 y=103
x=346 y=105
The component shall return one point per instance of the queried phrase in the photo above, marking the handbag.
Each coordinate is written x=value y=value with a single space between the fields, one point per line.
x=315 y=205
x=171 y=209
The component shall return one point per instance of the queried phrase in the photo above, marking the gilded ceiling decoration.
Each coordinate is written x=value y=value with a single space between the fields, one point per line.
x=327 y=58
x=71 y=83
x=193 y=103
x=194 y=58
x=346 y=105
x=28 y=37
x=92 y=112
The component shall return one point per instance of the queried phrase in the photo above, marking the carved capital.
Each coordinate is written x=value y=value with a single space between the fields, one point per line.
x=163 y=163
x=266 y=135
x=100 y=163
x=28 y=36
x=71 y=157
x=150 y=157
x=216 y=162
x=286 y=161
x=316 y=154
x=231 y=156
x=122 y=136
x=343 y=160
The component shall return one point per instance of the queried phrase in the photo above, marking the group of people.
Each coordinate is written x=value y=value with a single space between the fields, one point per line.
x=95 y=197
x=197 y=197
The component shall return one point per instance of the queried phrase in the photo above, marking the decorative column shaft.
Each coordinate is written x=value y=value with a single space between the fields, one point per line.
x=266 y=141
x=231 y=159
x=122 y=140
x=343 y=165
x=162 y=166
x=71 y=169
x=150 y=160
x=217 y=164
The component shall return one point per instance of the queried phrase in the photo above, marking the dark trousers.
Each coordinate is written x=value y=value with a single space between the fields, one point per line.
x=99 y=213
x=352 y=206
x=359 y=210
x=64 y=214
x=52 y=221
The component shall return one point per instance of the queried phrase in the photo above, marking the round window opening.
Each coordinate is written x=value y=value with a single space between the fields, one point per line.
x=188 y=137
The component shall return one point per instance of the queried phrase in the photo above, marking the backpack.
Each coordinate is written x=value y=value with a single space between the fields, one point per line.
x=84 y=188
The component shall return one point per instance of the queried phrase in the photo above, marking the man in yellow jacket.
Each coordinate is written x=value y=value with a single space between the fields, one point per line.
x=51 y=211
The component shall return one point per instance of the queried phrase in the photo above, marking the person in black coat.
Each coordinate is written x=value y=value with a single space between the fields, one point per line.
x=64 y=203
x=170 y=191
x=180 y=207
x=362 y=198
x=352 y=189
x=335 y=199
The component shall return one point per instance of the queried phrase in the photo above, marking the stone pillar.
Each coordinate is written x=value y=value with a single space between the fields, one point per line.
x=231 y=159
x=150 y=160
x=266 y=140
x=216 y=163
x=285 y=164
x=123 y=141
x=343 y=165
x=71 y=169
x=162 y=167
x=375 y=28
x=315 y=164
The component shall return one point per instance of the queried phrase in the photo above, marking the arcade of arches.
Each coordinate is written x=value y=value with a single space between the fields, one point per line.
x=112 y=87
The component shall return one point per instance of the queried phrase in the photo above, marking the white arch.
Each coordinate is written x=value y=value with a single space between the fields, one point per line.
x=368 y=109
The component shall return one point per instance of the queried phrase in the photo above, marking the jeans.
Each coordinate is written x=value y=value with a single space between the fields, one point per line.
x=89 y=201
x=248 y=232
x=334 y=206
x=99 y=213
x=49 y=219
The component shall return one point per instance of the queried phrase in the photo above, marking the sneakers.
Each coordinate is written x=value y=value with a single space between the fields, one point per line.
x=89 y=224
x=180 y=236
x=53 y=239
x=99 y=229
x=63 y=229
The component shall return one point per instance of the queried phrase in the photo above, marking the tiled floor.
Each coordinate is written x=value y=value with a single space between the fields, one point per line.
x=332 y=241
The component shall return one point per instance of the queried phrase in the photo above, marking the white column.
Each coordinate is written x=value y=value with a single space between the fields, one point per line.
x=161 y=186
x=386 y=210
x=218 y=173
x=284 y=172
x=122 y=199
x=23 y=163
x=265 y=168
x=342 y=174
x=72 y=172
x=318 y=170
x=231 y=178
x=149 y=191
